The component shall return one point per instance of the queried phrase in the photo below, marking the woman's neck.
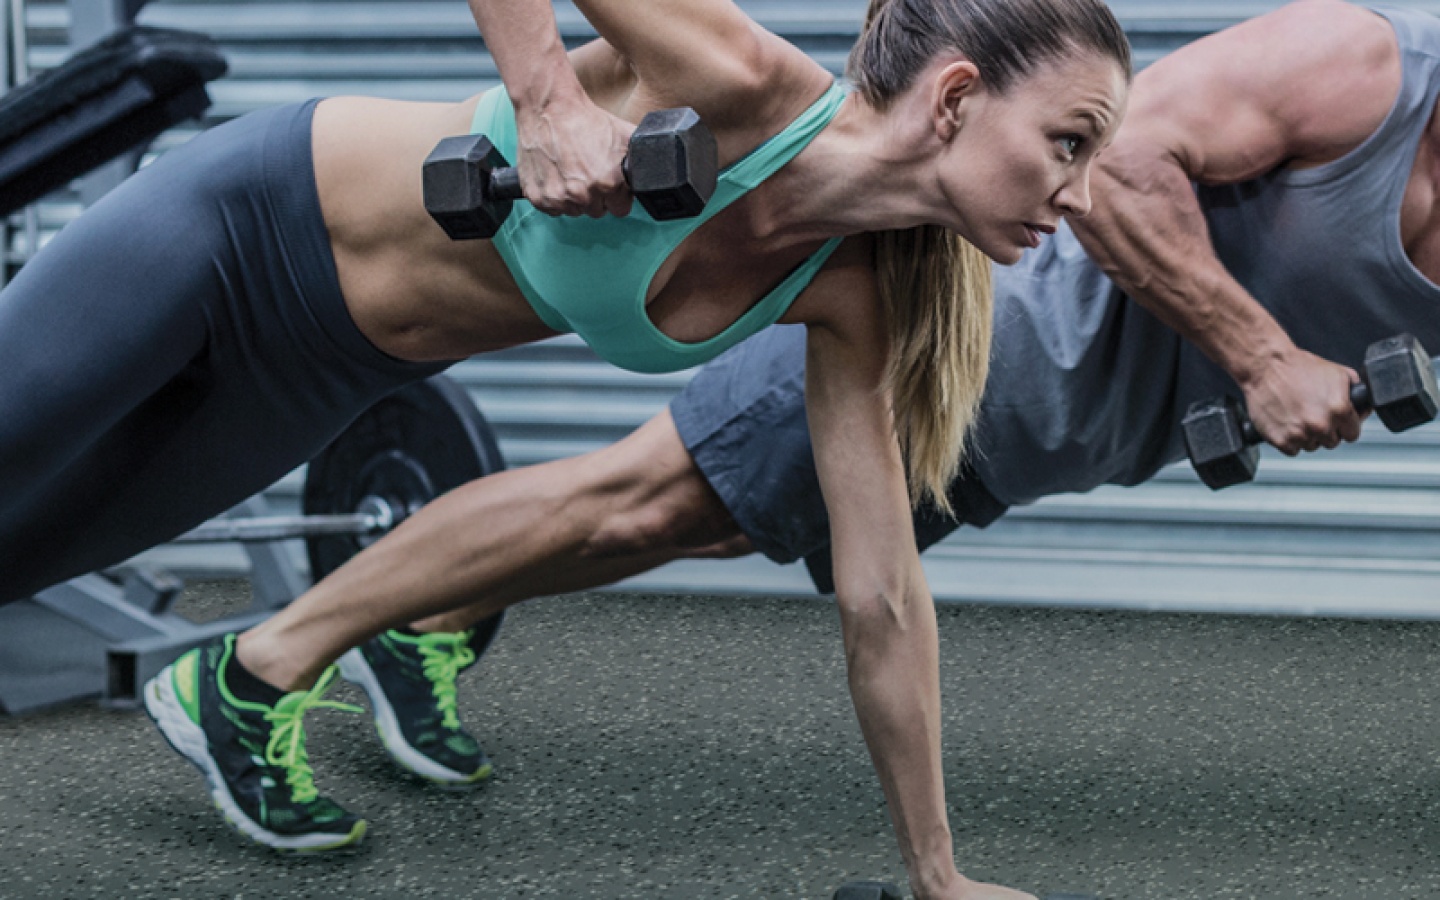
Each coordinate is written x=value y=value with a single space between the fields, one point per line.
x=863 y=172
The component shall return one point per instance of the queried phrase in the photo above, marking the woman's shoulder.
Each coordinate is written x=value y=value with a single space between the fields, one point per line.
x=844 y=292
x=743 y=97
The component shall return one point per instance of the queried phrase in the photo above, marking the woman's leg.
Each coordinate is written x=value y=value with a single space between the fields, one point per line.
x=96 y=333
x=180 y=346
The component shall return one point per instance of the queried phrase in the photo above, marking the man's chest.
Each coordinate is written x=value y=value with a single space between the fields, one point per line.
x=1420 y=207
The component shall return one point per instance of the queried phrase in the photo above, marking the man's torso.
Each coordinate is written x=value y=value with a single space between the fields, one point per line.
x=1088 y=388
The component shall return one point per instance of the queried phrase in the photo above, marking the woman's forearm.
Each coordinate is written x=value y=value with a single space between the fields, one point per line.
x=892 y=649
x=523 y=38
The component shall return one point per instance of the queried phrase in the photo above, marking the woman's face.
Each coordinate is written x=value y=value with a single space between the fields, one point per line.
x=1014 y=163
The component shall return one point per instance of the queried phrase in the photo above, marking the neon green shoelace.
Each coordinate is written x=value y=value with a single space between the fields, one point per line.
x=444 y=655
x=286 y=747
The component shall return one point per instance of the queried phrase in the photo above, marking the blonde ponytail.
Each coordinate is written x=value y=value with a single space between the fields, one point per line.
x=936 y=291
x=934 y=284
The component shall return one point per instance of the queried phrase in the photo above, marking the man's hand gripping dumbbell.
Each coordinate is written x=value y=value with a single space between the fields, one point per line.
x=1398 y=383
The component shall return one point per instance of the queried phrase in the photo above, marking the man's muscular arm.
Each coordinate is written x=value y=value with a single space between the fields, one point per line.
x=1301 y=86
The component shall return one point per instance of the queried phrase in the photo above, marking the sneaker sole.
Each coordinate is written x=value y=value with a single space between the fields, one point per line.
x=186 y=739
x=355 y=669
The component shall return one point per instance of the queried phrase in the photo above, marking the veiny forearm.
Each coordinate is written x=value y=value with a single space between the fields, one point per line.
x=891 y=648
x=1148 y=234
x=522 y=37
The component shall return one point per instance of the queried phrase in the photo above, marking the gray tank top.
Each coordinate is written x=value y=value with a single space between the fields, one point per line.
x=1087 y=388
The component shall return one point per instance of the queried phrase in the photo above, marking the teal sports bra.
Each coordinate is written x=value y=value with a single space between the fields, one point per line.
x=590 y=276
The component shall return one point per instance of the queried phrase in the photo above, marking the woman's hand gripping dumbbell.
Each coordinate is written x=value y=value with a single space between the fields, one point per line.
x=671 y=167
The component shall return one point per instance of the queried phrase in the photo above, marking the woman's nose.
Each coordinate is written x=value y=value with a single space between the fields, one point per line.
x=1073 y=198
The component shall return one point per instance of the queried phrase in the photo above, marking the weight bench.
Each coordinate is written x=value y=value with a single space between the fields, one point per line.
x=114 y=96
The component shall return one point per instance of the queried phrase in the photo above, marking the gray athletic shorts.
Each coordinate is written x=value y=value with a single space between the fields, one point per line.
x=743 y=420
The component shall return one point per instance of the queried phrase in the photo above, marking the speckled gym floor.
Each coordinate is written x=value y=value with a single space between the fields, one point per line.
x=694 y=747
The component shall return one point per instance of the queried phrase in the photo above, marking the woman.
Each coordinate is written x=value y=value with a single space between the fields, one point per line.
x=976 y=118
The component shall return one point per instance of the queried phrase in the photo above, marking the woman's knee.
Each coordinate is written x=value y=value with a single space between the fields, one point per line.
x=654 y=499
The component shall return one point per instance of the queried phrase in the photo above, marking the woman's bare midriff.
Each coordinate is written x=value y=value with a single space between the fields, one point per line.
x=412 y=291
x=418 y=295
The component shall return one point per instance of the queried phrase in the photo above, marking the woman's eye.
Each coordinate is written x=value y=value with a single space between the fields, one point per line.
x=1071 y=144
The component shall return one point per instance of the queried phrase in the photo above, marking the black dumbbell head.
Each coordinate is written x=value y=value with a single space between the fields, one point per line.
x=868 y=890
x=1402 y=382
x=672 y=164
x=1216 y=443
x=456 y=183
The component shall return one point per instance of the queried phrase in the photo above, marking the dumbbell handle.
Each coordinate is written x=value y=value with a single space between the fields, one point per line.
x=1359 y=398
x=505 y=184
x=505 y=181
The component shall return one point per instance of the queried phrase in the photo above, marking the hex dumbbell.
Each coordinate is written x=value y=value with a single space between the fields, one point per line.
x=868 y=890
x=884 y=890
x=1399 y=384
x=671 y=167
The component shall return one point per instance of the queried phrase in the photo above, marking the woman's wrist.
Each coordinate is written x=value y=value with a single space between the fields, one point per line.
x=549 y=89
x=935 y=878
x=931 y=868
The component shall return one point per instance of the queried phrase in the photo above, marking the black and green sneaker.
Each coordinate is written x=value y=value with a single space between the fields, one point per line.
x=410 y=680
x=252 y=755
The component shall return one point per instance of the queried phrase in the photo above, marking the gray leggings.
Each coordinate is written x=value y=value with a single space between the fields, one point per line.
x=179 y=347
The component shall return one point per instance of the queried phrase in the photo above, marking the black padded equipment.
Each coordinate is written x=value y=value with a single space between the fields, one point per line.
x=109 y=98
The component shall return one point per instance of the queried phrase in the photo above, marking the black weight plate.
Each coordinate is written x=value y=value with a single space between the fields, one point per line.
x=409 y=448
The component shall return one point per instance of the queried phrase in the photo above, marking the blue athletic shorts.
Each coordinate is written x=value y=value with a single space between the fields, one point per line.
x=742 y=418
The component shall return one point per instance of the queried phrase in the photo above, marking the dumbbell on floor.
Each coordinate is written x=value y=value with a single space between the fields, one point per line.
x=671 y=167
x=884 y=890
x=868 y=890
x=1399 y=384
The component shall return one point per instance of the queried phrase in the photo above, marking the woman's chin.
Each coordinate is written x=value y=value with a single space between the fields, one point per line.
x=1005 y=254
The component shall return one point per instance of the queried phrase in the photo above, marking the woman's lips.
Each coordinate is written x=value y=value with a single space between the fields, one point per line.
x=1033 y=232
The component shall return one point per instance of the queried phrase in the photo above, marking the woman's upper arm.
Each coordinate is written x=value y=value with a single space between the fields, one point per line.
x=694 y=50
x=857 y=455
x=1305 y=83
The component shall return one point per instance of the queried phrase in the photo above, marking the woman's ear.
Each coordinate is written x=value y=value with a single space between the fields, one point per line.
x=954 y=84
